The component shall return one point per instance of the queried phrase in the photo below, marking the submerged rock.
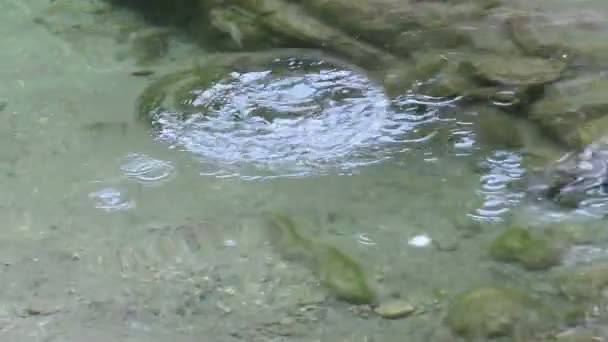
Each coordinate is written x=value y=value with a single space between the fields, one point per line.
x=368 y=32
x=574 y=111
x=336 y=270
x=585 y=282
x=514 y=70
x=576 y=178
x=486 y=78
x=561 y=31
x=401 y=27
x=532 y=251
x=497 y=129
x=494 y=312
x=290 y=20
x=150 y=45
x=531 y=35
x=394 y=309
x=241 y=27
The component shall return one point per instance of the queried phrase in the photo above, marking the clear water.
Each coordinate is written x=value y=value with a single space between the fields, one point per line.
x=109 y=234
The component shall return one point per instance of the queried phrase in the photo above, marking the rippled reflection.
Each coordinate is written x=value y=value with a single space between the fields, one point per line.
x=110 y=199
x=296 y=123
x=146 y=170
x=301 y=117
x=502 y=167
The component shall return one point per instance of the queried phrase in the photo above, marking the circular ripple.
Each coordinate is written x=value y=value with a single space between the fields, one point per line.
x=110 y=199
x=291 y=117
x=146 y=170
x=502 y=168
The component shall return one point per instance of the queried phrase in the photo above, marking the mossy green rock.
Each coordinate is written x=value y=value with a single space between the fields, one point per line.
x=478 y=78
x=537 y=33
x=400 y=26
x=336 y=270
x=519 y=245
x=149 y=45
x=498 y=129
x=242 y=29
x=531 y=35
x=492 y=312
x=574 y=111
x=514 y=70
x=290 y=20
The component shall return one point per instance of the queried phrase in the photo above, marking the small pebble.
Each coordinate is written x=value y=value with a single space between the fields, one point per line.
x=394 y=309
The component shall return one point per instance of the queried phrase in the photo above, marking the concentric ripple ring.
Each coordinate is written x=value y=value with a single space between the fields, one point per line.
x=274 y=114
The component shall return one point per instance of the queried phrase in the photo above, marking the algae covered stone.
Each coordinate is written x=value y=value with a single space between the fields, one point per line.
x=499 y=129
x=493 y=312
x=336 y=270
x=481 y=78
x=149 y=45
x=531 y=250
x=242 y=27
x=574 y=111
x=534 y=36
x=514 y=70
x=290 y=20
x=542 y=30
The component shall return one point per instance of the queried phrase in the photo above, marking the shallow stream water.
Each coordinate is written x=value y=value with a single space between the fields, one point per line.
x=109 y=234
